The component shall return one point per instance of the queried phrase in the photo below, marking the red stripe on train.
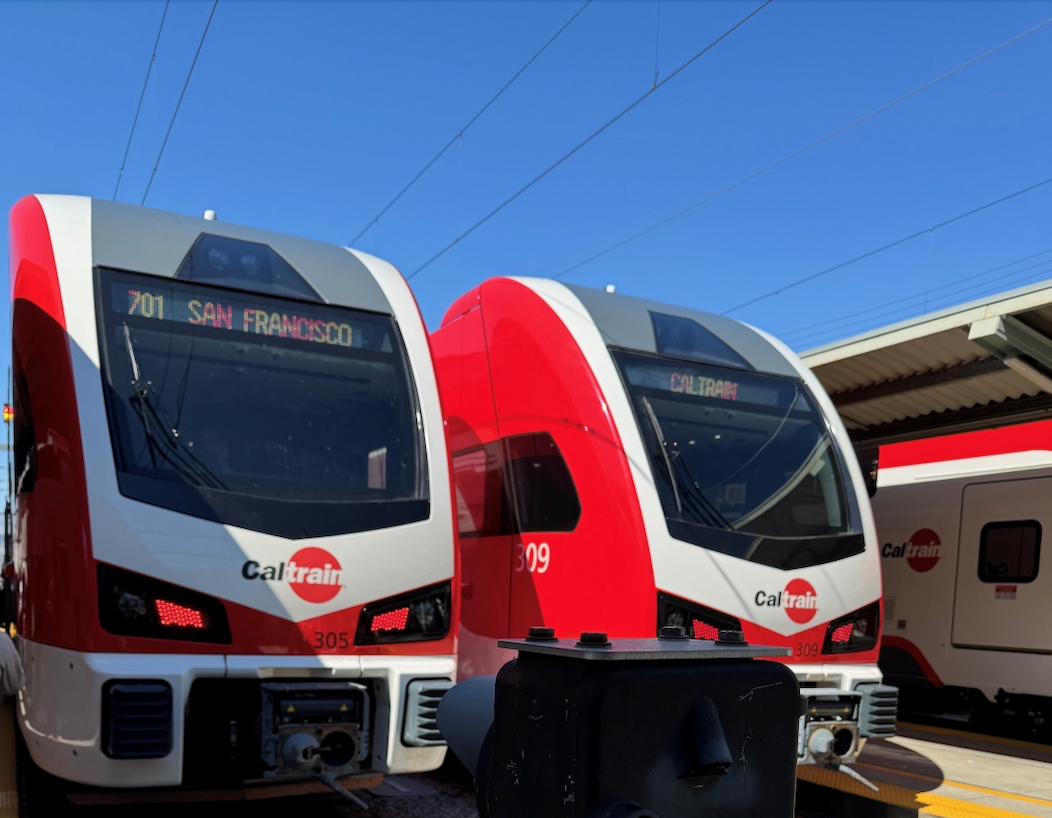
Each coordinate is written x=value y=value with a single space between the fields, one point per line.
x=1006 y=440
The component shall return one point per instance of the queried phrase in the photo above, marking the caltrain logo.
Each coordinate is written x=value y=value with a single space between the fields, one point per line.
x=922 y=551
x=798 y=599
x=313 y=574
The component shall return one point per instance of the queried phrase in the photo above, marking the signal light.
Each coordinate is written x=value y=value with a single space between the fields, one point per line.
x=9 y=413
x=418 y=616
x=174 y=615
x=855 y=632
x=390 y=621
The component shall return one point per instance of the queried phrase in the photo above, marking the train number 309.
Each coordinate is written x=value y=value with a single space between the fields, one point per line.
x=532 y=556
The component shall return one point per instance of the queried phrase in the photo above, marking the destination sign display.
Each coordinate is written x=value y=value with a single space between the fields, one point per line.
x=703 y=386
x=714 y=383
x=253 y=316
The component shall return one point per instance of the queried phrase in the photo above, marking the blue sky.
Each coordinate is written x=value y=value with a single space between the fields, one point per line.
x=308 y=117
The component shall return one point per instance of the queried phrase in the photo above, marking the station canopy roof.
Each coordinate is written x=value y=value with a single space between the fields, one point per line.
x=979 y=365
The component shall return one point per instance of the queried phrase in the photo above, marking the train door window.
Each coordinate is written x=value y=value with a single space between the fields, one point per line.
x=541 y=487
x=1009 y=551
x=24 y=443
x=482 y=507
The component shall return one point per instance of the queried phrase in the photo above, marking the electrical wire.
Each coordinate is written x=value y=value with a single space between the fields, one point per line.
x=175 y=113
x=657 y=42
x=566 y=156
x=795 y=153
x=142 y=95
x=1015 y=278
x=944 y=302
x=793 y=284
x=851 y=317
x=471 y=122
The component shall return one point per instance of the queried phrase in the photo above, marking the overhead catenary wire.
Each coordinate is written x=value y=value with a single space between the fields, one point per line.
x=800 y=281
x=175 y=113
x=657 y=42
x=471 y=122
x=942 y=302
x=924 y=302
x=829 y=325
x=794 y=154
x=142 y=95
x=596 y=133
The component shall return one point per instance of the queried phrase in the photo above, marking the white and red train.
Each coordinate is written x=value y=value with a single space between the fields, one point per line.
x=963 y=519
x=233 y=549
x=622 y=465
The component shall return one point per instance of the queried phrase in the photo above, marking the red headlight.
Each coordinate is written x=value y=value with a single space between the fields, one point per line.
x=174 y=615
x=395 y=620
x=855 y=632
x=135 y=605
x=413 y=617
x=700 y=622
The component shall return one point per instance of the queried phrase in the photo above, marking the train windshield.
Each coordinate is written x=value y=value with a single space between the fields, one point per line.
x=743 y=462
x=294 y=419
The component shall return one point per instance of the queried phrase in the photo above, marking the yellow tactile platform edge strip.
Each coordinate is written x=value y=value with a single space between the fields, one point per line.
x=1011 y=796
x=925 y=803
x=8 y=770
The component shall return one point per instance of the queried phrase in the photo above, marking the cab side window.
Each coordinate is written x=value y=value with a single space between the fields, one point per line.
x=1009 y=551
x=482 y=506
x=521 y=483
x=540 y=484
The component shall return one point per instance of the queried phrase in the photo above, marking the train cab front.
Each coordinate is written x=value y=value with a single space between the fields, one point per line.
x=657 y=466
x=233 y=546
x=758 y=498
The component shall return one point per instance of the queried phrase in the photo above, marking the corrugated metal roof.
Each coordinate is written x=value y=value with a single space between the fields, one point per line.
x=924 y=376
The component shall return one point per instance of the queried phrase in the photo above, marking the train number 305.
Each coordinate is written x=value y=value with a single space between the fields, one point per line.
x=331 y=640
x=532 y=556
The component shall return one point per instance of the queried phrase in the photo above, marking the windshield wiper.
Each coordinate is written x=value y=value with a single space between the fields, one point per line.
x=162 y=435
x=700 y=505
x=664 y=452
x=699 y=498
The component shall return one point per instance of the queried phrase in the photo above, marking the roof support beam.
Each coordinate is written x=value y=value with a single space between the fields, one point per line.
x=971 y=419
x=1004 y=336
x=925 y=380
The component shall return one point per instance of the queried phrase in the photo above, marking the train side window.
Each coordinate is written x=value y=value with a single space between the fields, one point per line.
x=542 y=489
x=482 y=507
x=1009 y=551
x=24 y=438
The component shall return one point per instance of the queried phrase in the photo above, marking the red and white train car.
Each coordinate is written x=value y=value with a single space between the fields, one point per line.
x=621 y=465
x=963 y=519
x=233 y=541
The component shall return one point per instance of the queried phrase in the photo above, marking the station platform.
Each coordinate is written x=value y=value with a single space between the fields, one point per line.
x=949 y=773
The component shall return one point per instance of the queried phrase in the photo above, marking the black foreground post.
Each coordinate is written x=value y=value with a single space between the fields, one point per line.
x=665 y=728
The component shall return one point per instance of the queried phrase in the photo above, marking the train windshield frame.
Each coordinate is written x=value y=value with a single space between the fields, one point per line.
x=292 y=418
x=744 y=462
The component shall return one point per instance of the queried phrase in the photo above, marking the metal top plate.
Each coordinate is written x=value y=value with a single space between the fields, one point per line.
x=644 y=649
